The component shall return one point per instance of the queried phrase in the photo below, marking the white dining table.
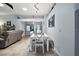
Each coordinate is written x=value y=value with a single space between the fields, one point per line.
x=45 y=37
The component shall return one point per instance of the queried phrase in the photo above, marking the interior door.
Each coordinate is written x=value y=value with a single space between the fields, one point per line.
x=27 y=29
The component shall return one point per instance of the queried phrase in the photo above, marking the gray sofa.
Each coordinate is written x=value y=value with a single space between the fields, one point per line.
x=13 y=36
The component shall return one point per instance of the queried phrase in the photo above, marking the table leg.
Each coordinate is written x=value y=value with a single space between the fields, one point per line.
x=47 y=45
x=30 y=45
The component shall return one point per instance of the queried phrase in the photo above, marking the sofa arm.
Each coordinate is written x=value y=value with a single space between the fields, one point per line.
x=2 y=43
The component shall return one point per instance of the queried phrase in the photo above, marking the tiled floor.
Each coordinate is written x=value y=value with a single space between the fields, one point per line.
x=21 y=48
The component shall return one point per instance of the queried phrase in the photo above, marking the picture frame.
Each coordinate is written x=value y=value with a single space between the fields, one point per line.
x=9 y=23
x=51 y=21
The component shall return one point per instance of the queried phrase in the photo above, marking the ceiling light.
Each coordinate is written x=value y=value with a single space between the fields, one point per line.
x=1 y=4
x=25 y=9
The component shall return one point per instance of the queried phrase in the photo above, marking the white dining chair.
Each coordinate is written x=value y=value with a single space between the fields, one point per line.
x=32 y=42
x=39 y=42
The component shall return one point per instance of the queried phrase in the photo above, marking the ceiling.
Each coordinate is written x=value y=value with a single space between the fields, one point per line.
x=41 y=8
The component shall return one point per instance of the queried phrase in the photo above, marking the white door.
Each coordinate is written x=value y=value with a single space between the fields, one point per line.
x=28 y=30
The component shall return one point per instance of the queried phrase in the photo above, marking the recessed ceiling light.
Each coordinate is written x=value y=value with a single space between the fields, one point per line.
x=1 y=4
x=24 y=9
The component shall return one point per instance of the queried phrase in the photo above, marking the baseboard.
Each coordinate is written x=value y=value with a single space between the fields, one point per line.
x=57 y=52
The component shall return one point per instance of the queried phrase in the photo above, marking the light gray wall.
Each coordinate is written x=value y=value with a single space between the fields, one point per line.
x=13 y=20
x=44 y=25
x=19 y=25
x=5 y=18
x=63 y=34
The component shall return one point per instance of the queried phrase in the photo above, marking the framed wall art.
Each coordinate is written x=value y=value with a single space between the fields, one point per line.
x=51 y=21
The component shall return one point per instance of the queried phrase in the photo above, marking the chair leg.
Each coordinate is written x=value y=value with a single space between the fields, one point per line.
x=35 y=49
x=43 y=49
x=30 y=49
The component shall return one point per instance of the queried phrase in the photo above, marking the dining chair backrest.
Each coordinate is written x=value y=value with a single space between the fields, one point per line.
x=39 y=39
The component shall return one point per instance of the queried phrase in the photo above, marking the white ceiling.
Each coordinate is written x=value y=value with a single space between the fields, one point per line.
x=44 y=9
